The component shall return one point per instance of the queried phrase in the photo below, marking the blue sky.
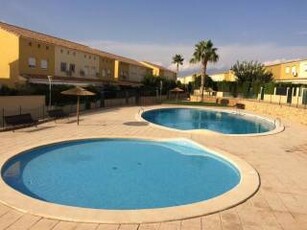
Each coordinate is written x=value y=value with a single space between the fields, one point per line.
x=267 y=31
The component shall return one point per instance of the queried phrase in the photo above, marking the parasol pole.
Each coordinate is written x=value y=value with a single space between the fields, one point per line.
x=78 y=108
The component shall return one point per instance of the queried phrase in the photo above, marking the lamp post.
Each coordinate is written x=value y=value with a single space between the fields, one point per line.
x=50 y=87
x=161 y=87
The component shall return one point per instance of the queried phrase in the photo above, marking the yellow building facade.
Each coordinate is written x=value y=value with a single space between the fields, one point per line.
x=290 y=71
x=160 y=71
x=29 y=56
x=223 y=76
x=74 y=63
x=22 y=56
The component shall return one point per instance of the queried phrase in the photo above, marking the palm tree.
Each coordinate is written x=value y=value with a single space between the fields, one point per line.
x=178 y=60
x=204 y=52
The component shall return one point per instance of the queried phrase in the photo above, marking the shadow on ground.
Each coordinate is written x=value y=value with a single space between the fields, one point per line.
x=136 y=123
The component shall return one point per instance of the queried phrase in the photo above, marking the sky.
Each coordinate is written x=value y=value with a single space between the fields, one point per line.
x=267 y=31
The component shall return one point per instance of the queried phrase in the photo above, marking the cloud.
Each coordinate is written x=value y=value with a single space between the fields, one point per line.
x=162 y=53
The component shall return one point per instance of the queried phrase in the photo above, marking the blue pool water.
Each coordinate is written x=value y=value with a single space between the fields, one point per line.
x=189 y=119
x=120 y=173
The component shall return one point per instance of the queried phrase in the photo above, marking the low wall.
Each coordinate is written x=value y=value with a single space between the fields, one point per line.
x=277 y=111
x=12 y=105
x=212 y=99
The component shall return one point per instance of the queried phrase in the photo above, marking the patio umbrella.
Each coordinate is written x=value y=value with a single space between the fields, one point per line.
x=78 y=91
x=176 y=90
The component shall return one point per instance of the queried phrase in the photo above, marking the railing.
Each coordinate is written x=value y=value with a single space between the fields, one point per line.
x=41 y=113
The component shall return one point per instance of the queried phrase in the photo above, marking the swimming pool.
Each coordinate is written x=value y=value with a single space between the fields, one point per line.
x=200 y=119
x=121 y=174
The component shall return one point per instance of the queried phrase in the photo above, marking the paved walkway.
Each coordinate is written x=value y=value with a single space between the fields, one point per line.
x=281 y=160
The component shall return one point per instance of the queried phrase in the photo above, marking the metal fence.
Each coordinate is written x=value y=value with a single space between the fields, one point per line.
x=41 y=113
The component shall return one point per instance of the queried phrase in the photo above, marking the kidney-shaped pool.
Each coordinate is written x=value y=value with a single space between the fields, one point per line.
x=214 y=120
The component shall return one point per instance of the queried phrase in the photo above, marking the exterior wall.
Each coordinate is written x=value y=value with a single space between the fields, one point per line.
x=229 y=76
x=86 y=64
x=303 y=69
x=168 y=75
x=275 y=70
x=30 y=48
x=290 y=71
x=186 y=79
x=116 y=69
x=9 y=58
x=106 y=68
x=225 y=76
x=154 y=70
x=137 y=73
x=293 y=68
x=218 y=77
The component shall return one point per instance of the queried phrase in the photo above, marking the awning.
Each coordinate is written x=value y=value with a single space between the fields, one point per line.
x=57 y=80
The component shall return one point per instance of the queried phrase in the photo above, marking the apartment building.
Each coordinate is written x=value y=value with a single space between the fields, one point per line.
x=223 y=76
x=29 y=56
x=161 y=71
x=290 y=71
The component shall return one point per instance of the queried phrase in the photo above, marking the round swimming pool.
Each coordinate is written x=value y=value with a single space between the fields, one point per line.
x=223 y=122
x=120 y=174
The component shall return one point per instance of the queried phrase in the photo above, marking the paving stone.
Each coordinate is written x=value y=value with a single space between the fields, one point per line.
x=25 y=222
x=63 y=225
x=9 y=218
x=86 y=226
x=211 y=222
x=45 y=224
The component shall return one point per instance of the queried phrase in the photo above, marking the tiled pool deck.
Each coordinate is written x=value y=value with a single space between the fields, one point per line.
x=280 y=159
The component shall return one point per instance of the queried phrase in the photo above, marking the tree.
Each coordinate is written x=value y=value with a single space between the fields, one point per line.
x=251 y=72
x=250 y=75
x=204 y=52
x=178 y=60
x=208 y=83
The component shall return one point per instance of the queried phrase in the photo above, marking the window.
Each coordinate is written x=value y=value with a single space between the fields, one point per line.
x=109 y=72
x=94 y=58
x=44 y=64
x=84 y=56
x=287 y=69
x=39 y=46
x=61 y=51
x=72 y=68
x=47 y=47
x=30 y=43
x=293 y=71
x=32 y=62
x=93 y=71
x=103 y=72
x=90 y=57
x=63 y=66
x=86 y=70
x=74 y=53
x=67 y=52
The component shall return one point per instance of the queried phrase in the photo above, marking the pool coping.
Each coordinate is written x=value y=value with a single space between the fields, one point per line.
x=247 y=187
x=279 y=127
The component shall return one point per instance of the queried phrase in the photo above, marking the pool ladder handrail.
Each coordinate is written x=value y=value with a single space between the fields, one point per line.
x=277 y=120
x=141 y=109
